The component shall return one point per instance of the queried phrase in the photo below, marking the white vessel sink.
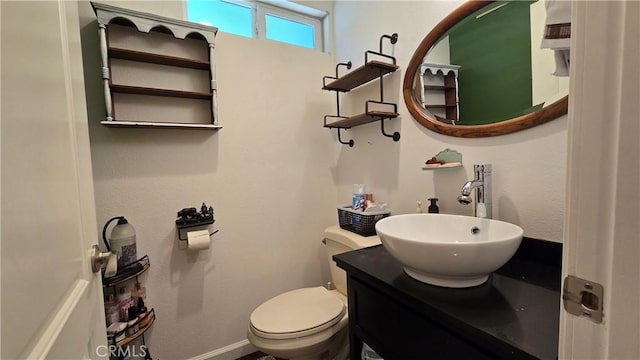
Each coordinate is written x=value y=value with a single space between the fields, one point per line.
x=449 y=250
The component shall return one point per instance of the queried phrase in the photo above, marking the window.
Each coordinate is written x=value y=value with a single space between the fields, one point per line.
x=282 y=21
x=226 y=16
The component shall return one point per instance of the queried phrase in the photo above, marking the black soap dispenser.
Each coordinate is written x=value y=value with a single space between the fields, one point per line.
x=433 y=206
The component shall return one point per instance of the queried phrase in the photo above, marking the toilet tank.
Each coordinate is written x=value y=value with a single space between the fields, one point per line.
x=338 y=241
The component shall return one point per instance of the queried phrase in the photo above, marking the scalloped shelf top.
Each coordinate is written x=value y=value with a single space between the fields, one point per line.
x=440 y=68
x=146 y=22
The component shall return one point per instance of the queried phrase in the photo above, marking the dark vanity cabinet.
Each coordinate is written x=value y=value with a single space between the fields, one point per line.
x=515 y=315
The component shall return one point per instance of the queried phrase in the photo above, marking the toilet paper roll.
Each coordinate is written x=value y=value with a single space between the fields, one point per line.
x=198 y=240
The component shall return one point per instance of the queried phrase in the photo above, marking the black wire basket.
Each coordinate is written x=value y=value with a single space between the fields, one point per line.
x=361 y=223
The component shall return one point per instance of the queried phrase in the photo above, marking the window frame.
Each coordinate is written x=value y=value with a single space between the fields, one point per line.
x=264 y=9
x=287 y=10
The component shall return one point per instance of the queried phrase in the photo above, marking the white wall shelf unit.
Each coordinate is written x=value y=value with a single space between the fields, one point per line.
x=439 y=85
x=374 y=110
x=157 y=72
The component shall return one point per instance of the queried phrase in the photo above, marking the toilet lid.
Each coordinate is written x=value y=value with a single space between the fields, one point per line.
x=297 y=313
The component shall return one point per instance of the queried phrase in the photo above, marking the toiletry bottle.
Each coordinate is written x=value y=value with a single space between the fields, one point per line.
x=368 y=200
x=433 y=206
x=142 y=308
x=357 y=202
x=124 y=303
x=132 y=324
x=143 y=315
x=419 y=208
x=139 y=291
x=111 y=310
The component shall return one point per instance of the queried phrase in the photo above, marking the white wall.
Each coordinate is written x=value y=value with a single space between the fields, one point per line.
x=528 y=166
x=274 y=175
x=269 y=174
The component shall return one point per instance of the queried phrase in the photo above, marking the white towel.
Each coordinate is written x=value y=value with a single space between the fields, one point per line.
x=557 y=34
x=562 y=62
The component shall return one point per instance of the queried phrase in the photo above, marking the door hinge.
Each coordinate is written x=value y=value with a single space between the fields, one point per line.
x=583 y=298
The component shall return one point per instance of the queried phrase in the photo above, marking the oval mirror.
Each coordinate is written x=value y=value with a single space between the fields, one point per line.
x=480 y=72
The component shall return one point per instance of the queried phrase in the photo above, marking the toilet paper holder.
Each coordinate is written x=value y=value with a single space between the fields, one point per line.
x=190 y=217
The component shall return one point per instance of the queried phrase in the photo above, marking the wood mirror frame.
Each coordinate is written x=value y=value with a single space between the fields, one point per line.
x=541 y=116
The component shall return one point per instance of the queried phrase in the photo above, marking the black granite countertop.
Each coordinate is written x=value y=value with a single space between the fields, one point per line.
x=516 y=313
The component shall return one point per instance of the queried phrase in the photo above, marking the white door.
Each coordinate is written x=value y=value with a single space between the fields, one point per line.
x=52 y=303
x=602 y=223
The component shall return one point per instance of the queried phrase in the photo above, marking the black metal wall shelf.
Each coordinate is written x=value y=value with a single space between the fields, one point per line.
x=371 y=70
x=130 y=272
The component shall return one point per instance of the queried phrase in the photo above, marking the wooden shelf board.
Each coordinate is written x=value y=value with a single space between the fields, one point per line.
x=365 y=73
x=362 y=119
x=438 y=106
x=126 y=54
x=148 y=124
x=443 y=166
x=439 y=87
x=126 y=89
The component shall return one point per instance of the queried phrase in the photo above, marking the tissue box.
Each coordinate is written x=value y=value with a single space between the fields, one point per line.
x=360 y=222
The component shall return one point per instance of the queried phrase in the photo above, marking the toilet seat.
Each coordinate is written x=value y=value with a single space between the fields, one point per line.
x=297 y=313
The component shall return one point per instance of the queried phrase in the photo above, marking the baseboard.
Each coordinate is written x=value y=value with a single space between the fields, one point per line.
x=229 y=352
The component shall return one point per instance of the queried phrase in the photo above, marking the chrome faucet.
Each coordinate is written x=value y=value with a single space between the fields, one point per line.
x=482 y=184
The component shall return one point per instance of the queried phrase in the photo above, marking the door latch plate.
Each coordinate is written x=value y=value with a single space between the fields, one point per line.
x=583 y=298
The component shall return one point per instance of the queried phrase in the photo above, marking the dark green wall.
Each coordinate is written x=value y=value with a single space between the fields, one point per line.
x=494 y=53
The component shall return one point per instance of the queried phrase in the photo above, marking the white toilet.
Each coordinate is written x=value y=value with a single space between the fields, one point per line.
x=309 y=323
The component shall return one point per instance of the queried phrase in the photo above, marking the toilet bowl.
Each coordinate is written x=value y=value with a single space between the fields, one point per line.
x=309 y=323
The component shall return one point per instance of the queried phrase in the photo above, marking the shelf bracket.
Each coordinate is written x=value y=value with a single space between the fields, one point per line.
x=347 y=65
x=324 y=78
x=350 y=142
x=393 y=38
x=324 y=83
x=395 y=136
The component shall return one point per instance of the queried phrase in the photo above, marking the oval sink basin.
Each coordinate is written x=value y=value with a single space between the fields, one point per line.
x=449 y=250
